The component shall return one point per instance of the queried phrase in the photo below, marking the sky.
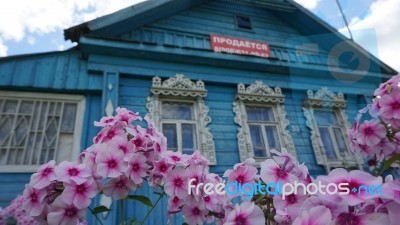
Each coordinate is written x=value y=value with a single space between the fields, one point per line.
x=31 y=26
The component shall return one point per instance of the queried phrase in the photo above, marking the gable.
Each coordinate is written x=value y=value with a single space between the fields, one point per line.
x=179 y=26
x=192 y=28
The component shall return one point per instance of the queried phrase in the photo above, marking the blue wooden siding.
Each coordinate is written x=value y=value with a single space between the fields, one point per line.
x=58 y=70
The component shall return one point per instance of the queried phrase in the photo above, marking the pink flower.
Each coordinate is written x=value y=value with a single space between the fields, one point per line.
x=375 y=108
x=175 y=158
x=120 y=142
x=127 y=116
x=193 y=213
x=242 y=172
x=197 y=159
x=245 y=214
x=365 y=219
x=393 y=209
x=291 y=202
x=390 y=107
x=110 y=163
x=106 y=121
x=271 y=172
x=79 y=194
x=109 y=132
x=137 y=167
x=119 y=187
x=282 y=217
x=333 y=202
x=319 y=215
x=44 y=176
x=174 y=204
x=355 y=179
x=371 y=133
x=385 y=148
x=33 y=203
x=176 y=183
x=388 y=86
x=71 y=171
x=162 y=167
x=64 y=214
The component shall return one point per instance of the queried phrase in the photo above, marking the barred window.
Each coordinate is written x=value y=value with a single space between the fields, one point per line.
x=36 y=128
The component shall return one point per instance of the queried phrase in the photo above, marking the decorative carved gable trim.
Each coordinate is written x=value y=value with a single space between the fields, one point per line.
x=260 y=93
x=325 y=98
x=178 y=86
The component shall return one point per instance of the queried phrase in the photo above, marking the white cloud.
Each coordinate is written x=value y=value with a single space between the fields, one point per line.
x=309 y=4
x=387 y=28
x=61 y=47
x=3 y=49
x=21 y=17
x=31 y=40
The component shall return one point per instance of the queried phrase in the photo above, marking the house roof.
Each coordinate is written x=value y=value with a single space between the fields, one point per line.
x=151 y=11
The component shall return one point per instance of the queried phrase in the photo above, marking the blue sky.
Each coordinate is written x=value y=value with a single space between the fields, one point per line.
x=30 y=26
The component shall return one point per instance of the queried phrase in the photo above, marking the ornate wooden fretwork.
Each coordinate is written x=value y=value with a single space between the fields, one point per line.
x=324 y=98
x=180 y=87
x=260 y=94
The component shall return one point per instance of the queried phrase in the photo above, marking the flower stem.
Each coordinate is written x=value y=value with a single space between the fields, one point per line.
x=121 y=210
x=95 y=215
x=148 y=212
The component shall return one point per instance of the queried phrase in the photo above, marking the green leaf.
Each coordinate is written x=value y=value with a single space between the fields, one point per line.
x=100 y=209
x=390 y=161
x=133 y=222
x=143 y=199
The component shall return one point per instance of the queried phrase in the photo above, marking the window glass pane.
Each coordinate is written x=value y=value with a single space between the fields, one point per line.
x=169 y=130
x=272 y=137
x=10 y=106
x=67 y=124
x=35 y=130
x=260 y=114
x=243 y=22
x=5 y=127
x=327 y=141
x=26 y=107
x=325 y=117
x=188 y=138
x=257 y=141
x=339 y=139
x=177 y=110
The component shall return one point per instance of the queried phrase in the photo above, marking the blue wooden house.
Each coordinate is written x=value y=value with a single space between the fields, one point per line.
x=232 y=78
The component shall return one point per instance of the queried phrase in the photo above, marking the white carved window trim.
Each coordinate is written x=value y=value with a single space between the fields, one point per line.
x=179 y=88
x=258 y=94
x=323 y=99
x=77 y=132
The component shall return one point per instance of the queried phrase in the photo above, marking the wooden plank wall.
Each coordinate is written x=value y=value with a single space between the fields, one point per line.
x=62 y=72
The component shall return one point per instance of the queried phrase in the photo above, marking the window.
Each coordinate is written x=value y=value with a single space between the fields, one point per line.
x=326 y=117
x=331 y=133
x=263 y=130
x=177 y=108
x=243 y=22
x=36 y=128
x=261 y=117
x=179 y=126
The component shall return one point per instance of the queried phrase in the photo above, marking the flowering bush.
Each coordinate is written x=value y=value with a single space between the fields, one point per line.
x=124 y=155
x=15 y=212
